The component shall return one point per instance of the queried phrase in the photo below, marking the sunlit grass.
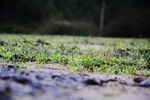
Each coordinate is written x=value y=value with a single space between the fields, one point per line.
x=86 y=54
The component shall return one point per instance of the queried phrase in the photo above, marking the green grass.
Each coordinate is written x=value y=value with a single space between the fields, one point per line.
x=85 y=54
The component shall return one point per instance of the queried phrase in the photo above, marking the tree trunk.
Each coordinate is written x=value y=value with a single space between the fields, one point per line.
x=102 y=15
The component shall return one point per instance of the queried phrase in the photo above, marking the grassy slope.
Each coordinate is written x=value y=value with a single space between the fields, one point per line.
x=101 y=55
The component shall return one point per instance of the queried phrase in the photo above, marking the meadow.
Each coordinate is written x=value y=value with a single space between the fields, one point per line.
x=120 y=56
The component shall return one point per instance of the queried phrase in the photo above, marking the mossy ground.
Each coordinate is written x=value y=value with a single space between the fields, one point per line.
x=86 y=54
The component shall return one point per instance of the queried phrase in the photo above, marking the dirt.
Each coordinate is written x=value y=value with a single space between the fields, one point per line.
x=52 y=82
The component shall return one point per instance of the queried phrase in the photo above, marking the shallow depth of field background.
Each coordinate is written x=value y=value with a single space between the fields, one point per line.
x=122 y=18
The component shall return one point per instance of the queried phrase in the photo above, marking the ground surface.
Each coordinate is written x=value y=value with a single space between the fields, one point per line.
x=40 y=84
x=73 y=68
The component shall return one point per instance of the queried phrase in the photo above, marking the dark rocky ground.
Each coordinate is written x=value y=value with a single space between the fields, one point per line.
x=60 y=85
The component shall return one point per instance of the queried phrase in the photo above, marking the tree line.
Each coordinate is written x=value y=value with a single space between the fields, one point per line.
x=122 y=18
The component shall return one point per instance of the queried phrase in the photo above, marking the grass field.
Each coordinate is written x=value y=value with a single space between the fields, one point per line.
x=85 y=54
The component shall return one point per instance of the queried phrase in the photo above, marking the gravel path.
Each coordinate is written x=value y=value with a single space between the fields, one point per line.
x=44 y=84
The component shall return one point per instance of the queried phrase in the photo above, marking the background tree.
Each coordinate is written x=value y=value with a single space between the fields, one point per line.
x=102 y=15
x=122 y=18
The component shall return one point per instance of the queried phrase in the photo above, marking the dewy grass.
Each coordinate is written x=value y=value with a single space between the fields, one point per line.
x=86 y=54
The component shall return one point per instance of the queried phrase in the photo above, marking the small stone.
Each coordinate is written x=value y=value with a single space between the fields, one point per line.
x=38 y=77
x=145 y=83
x=73 y=78
x=138 y=79
x=55 y=76
x=24 y=72
x=92 y=82
x=110 y=80
x=7 y=77
x=12 y=67
x=22 y=80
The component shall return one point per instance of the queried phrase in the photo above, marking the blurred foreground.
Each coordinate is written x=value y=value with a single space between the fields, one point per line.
x=60 y=85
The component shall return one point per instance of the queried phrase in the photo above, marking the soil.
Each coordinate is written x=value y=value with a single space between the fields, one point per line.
x=52 y=82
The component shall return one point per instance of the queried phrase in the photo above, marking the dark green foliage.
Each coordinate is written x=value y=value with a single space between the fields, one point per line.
x=125 y=18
